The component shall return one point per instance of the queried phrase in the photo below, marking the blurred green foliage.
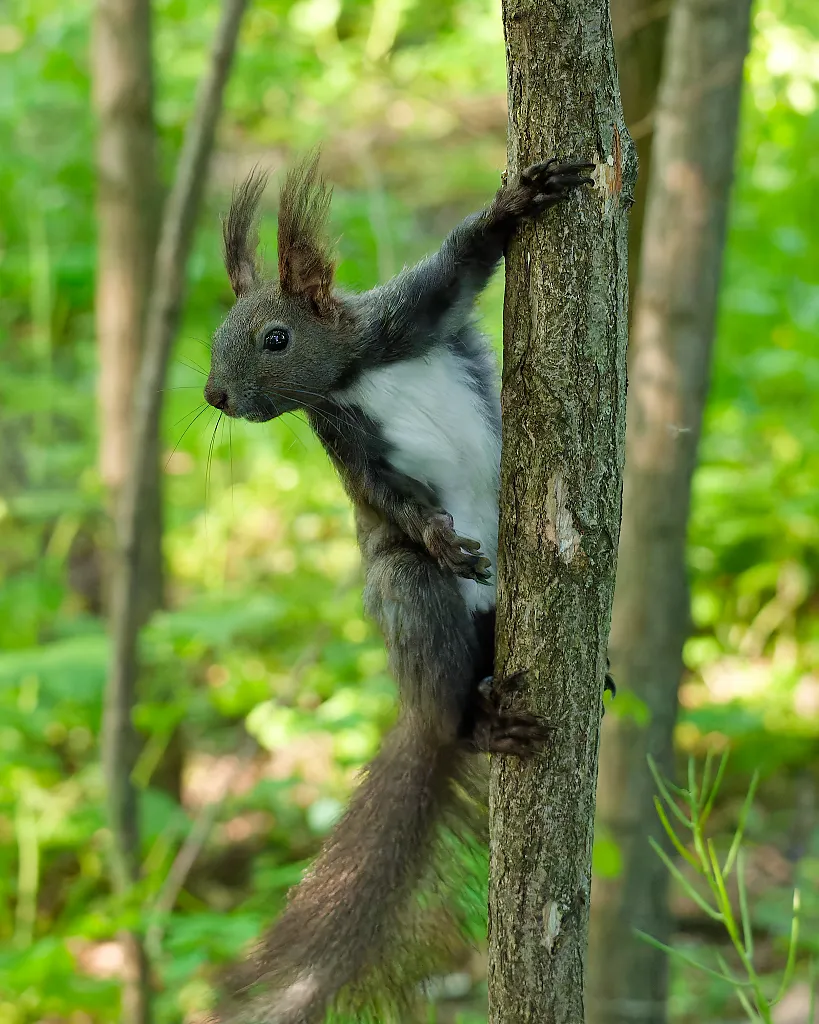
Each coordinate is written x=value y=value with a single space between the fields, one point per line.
x=264 y=632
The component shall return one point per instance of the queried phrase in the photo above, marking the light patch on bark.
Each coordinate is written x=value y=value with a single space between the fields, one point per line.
x=560 y=529
x=608 y=174
x=603 y=175
x=552 y=918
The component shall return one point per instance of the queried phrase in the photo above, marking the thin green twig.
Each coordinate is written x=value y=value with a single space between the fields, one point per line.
x=699 y=799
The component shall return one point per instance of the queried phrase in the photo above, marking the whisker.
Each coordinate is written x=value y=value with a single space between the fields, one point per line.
x=192 y=337
x=207 y=460
x=278 y=414
x=197 y=408
x=296 y=437
x=209 y=463
x=335 y=421
x=208 y=471
x=195 y=418
x=342 y=415
x=230 y=450
x=222 y=420
x=191 y=365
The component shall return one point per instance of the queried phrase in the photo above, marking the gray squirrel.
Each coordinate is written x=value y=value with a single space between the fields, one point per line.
x=401 y=389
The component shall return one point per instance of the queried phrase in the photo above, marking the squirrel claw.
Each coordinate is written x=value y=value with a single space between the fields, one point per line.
x=552 y=169
x=505 y=732
x=498 y=733
x=490 y=687
x=469 y=544
x=608 y=685
x=550 y=180
x=460 y=555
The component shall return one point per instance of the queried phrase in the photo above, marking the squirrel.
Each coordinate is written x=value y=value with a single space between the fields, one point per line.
x=402 y=391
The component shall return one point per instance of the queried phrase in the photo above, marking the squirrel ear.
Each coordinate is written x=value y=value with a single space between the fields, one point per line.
x=239 y=232
x=306 y=266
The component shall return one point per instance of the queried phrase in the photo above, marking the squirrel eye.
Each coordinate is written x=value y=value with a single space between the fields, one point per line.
x=275 y=339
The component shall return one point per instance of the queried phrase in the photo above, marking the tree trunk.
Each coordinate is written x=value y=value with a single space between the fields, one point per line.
x=564 y=391
x=640 y=28
x=673 y=327
x=128 y=203
x=127 y=222
x=119 y=736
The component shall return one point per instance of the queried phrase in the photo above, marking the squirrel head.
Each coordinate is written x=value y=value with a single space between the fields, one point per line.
x=284 y=343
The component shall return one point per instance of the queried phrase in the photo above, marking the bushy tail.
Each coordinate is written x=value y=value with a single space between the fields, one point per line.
x=353 y=917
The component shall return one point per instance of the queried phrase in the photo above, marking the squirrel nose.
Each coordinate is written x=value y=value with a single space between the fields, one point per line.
x=216 y=397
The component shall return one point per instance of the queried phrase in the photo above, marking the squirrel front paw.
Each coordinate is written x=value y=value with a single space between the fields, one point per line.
x=543 y=184
x=461 y=555
x=550 y=181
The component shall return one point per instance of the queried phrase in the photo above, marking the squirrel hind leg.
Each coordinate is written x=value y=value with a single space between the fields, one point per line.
x=494 y=731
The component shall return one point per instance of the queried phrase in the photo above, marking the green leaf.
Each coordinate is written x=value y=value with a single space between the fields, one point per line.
x=689 y=890
x=792 y=946
x=743 y=820
x=709 y=803
x=744 y=913
x=686 y=959
x=663 y=788
x=672 y=835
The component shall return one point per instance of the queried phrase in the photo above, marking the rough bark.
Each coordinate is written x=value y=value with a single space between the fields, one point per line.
x=128 y=206
x=640 y=28
x=564 y=391
x=178 y=222
x=673 y=328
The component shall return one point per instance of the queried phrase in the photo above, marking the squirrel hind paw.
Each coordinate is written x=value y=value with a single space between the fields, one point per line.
x=521 y=735
x=495 y=731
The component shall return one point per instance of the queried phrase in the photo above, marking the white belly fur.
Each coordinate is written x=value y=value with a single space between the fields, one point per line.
x=437 y=427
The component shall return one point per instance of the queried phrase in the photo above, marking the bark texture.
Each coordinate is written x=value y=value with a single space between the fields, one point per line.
x=120 y=745
x=673 y=328
x=128 y=208
x=564 y=392
x=640 y=28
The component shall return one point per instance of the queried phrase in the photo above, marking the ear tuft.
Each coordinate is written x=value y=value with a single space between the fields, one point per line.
x=239 y=232
x=306 y=266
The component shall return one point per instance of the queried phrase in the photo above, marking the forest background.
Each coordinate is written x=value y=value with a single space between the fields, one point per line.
x=263 y=633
